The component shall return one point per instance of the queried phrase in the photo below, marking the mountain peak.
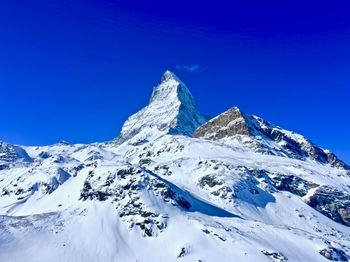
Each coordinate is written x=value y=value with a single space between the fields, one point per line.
x=234 y=123
x=230 y=123
x=168 y=75
x=171 y=88
x=171 y=110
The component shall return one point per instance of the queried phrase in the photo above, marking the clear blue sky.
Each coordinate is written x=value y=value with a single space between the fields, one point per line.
x=75 y=70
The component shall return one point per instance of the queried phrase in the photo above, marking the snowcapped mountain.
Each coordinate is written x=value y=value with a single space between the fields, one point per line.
x=171 y=110
x=176 y=187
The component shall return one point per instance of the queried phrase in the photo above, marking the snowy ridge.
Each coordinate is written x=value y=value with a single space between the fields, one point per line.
x=235 y=190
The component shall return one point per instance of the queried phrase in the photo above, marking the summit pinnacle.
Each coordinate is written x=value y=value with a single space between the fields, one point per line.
x=171 y=110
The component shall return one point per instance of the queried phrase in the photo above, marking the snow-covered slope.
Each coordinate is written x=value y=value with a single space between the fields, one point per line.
x=232 y=193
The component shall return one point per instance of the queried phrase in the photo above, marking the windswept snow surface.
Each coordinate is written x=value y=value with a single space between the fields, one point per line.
x=158 y=195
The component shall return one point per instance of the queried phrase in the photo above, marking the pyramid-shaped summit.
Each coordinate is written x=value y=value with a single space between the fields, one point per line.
x=171 y=110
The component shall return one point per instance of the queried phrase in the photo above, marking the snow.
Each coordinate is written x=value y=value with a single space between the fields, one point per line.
x=214 y=228
x=160 y=195
x=171 y=110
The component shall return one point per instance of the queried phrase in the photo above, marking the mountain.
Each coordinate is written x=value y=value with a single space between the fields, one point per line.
x=176 y=187
x=171 y=110
x=234 y=122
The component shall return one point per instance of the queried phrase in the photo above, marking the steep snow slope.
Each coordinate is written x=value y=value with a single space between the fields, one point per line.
x=171 y=110
x=158 y=195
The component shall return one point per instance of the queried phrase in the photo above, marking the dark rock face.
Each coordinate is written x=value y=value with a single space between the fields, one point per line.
x=335 y=161
x=210 y=180
x=232 y=122
x=293 y=184
x=123 y=187
x=44 y=155
x=301 y=149
x=332 y=203
x=235 y=123
x=183 y=252
x=275 y=256
x=296 y=145
x=4 y=166
x=334 y=254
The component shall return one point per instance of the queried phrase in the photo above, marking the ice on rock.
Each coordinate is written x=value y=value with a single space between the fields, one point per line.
x=171 y=110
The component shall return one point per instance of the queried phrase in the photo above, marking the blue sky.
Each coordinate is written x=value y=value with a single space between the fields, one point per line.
x=75 y=70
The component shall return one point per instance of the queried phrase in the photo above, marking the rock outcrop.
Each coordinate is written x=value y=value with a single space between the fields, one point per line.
x=333 y=203
x=234 y=123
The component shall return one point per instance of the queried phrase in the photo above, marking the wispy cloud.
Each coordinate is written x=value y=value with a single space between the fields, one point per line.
x=189 y=68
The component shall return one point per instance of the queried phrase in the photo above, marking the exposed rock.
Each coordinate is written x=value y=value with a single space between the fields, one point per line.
x=334 y=254
x=4 y=166
x=334 y=161
x=232 y=122
x=44 y=155
x=293 y=184
x=299 y=146
x=94 y=155
x=124 y=187
x=275 y=256
x=333 y=203
x=183 y=252
x=210 y=181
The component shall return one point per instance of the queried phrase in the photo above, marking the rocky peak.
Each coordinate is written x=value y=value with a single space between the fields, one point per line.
x=171 y=109
x=168 y=75
x=234 y=122
x=230 y=123
x=171 y=89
